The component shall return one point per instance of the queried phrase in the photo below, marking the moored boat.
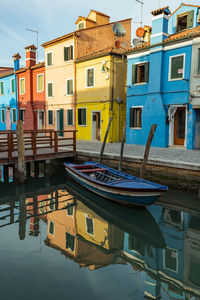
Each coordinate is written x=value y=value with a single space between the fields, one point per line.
x=115 y=185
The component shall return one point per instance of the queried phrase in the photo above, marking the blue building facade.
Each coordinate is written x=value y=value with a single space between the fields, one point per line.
x=158 y=81
x=8 y=98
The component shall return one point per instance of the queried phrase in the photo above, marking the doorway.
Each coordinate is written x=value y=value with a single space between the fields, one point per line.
x=60 y=121
x=8 y=119
x=41 y=121
x=96 y=125
x=179 y=126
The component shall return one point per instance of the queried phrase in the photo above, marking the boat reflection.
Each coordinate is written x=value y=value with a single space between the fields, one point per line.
x=162 y=242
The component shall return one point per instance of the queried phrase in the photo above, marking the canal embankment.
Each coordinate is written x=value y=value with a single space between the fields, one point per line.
x=175 y=167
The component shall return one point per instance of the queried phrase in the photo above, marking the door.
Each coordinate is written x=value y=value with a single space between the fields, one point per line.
x=179 y=126
x=96 y=126
x=40 y=119
x=8 y=120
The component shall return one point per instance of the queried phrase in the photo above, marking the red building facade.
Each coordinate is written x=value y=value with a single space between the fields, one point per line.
x=31 y=92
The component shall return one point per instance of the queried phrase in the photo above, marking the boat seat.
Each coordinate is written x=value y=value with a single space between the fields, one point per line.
x=92 y=170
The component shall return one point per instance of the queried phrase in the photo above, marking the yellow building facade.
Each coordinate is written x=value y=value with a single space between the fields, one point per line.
x=100 y=95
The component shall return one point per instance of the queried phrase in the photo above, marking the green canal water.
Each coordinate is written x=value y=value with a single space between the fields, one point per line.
x=58 y=241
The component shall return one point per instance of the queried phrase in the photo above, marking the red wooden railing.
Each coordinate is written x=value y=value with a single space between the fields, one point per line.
x=38 y=144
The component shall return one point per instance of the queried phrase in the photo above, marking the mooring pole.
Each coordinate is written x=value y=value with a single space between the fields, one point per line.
x=147 y=148
x=122 y=147
x=20 y=146
x=104 y=141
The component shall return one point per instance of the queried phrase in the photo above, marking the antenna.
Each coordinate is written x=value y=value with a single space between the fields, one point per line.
x=142 y=3
x=37 y=33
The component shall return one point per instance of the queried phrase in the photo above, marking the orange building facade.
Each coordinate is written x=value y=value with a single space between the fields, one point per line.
x=31 y=92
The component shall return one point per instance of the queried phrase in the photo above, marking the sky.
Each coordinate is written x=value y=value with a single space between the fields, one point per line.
x=53 y=18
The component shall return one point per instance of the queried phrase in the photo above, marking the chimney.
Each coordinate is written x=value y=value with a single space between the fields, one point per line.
x=30 y=56
x=160 y=25
x=16 y=58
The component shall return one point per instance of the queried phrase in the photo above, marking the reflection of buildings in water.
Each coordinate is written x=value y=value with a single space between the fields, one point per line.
x=173 y=271
x=82 y=235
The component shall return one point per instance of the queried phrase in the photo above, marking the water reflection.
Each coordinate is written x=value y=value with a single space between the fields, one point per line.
x=160 y=243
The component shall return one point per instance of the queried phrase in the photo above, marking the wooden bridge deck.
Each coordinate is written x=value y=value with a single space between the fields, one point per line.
x=38 y=145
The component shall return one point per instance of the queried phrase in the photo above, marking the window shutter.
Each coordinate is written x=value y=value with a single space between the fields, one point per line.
x=61 y=118
x=71 y=52
x=190 y=18
x=49 y=59
x=83 y=116
x=50 y=90
x=79 y=117
x=13 y=85
x=176 y=23
x=146 y=72
x=2 y=88
x=66 y=53
x=134 y=73
x=131 y=117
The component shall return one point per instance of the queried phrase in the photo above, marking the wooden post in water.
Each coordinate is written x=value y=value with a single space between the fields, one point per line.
x=147 y=148
x=104 y=141
x=122 y=147
x=20 y=146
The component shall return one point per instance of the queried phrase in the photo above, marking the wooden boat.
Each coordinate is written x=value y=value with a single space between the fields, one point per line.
x=114 y=185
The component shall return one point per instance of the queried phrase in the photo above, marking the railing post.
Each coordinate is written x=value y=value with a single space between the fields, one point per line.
x=33 y=137
x=9 y=145
x=74 y=141
x=56 y=142
x=51 y=136
x=21 y=154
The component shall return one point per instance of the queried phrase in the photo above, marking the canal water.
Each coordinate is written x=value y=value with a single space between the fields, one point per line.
x=58 y=241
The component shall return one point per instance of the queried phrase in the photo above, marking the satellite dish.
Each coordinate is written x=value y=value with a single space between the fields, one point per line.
x=136 y=42
x=119 y=30
x=140 y=32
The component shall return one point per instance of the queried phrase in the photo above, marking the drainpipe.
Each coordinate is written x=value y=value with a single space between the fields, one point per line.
x=75 y=56
x=16 y=58
x=112 y=92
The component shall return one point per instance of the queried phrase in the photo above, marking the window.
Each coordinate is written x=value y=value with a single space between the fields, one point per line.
x=51 y=204
x=140 y=73
x=50 y=117
x=136 y=117
x=198 y=66
x=171 y=259
x=70 y=86
x=90 y=77
x=1 y=88
x=14 y=115
x=40 y=83
x=12 y=83
x=89 y=225
x=68 y=53
x=185 y=20
x=3 y=116
x=49 y=58
x=176 y=67
x=81 y=26
x=51 y=227
x=82 y=116
x=22 y=86
x=21 y=114
x=50 y=89
x=69 y=117
x=70 y=241
x=70 y=209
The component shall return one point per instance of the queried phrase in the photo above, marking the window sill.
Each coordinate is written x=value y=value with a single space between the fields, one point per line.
x=176 y=79
x=140 y=83
x=136 y=128
x=82 y=125
x=89 y=87
x=196 y=75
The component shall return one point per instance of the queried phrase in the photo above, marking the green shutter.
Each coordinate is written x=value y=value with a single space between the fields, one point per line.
x=51 y=227
x=134 y=74
x=12 y=85
x=14 y=116
x=69 y=117
x=176 y=67
x=49 y=59
x=50 y=90
x=66 y=53
x=90 y=77
x=2 y=88
x=131 y=117
x=176 y=23
x=61 y=121
x=190 y=18
x=90 y=227
x=70 y=87
x=71 y=52
x=84 y=116
x=146 y=72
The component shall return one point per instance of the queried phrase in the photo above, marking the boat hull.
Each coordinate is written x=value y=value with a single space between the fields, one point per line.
x=133 y=198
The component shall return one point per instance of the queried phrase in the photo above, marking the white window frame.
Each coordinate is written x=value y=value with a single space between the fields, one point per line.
x=175 y=250
x=52 y=89
x=47 y=59
x=11 y=85
x=86 y=117
x=53 y=234
x=66 y=86
x=52 y=116
x=140 y=106
x=38 y=84
x=72 y=115
x=140 y=63
x=86 y=216
x=20 y=86
x=12 y=115
x=68 y=46
x=5 y=115
x=88 y=87
x=24 y=113
x=170 y=62
x=3 y=88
